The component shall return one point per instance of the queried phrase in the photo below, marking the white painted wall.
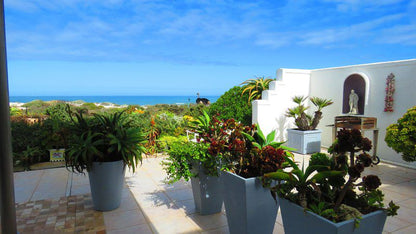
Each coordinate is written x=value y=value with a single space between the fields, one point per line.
x=270 y=111
x=328 y=83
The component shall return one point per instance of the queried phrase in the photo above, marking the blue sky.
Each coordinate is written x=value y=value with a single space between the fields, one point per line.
x=172 y=47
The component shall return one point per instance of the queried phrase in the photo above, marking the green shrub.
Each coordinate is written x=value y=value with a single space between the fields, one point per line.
x=320 y=159
x=91 y=106
x=184 y=156
x=36 y=106
x=168 y=123
x=196 y=110
x=178 y=165
x=401 y=136
x=160 y=108
x=165 y=142
x=233 y=105
x=28 y=143
x=141 y=120
x=15 y=111
x=58 y=111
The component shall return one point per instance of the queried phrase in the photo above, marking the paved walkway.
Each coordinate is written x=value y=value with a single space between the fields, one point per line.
x=150 y=205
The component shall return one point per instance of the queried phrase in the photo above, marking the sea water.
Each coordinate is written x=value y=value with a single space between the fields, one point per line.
x=120 y=100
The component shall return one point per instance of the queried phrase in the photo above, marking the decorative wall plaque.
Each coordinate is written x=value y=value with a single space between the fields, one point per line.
x=390 y=87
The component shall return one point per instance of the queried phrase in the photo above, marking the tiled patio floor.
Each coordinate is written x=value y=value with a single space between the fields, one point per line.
x=151 y=206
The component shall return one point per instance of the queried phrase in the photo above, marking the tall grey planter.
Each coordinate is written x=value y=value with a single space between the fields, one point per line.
x=305 y=142
x=250 y=208
x=296 y=220
x=208 y=195
x=106 y=182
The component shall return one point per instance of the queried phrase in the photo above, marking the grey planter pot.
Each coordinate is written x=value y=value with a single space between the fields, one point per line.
x=250 y=208
x=305 y=142
x=106 y=182
x=293 y=215
x=207 y=191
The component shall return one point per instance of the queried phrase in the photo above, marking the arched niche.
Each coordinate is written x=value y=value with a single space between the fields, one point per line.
x=358 y=83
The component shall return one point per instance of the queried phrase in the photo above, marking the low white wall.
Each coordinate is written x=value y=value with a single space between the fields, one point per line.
x=269 y=112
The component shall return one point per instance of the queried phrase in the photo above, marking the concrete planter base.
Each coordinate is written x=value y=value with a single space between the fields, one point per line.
x=305 y=142
x=106 y=182
x=250 y=208
x=296 y=220
x=207 y=191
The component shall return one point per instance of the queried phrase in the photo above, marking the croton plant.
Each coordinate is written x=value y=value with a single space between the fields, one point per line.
x=243 y=150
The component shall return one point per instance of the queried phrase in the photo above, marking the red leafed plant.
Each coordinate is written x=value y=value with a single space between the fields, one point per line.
x=243 y=150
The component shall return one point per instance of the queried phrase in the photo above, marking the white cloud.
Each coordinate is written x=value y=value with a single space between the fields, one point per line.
x=360 y=5
x=274 y=40
x=366 y=29
x=400 y=34
x=132 y=28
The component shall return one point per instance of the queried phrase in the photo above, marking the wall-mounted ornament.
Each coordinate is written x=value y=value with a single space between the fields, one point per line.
x=390 y=87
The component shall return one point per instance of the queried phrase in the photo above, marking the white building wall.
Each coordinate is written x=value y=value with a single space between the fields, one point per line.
x=329 y=83
x=269 y=112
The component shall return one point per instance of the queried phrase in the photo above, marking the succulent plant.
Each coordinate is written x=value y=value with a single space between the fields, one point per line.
x=304 y=121
x=333 y=186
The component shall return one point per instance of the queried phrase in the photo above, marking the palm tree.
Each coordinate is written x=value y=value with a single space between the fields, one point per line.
x=255 y=87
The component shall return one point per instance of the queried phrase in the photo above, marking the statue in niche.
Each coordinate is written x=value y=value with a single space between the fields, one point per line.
x=353 y=101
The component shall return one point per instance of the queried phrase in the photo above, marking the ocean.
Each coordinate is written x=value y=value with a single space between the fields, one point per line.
x=120 y=100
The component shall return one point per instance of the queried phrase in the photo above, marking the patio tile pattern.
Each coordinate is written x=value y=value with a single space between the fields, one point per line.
x=72 y=214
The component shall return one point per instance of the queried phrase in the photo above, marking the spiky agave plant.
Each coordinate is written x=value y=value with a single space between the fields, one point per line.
x=255 y=87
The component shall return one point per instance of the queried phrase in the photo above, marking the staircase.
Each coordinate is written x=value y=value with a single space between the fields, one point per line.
x=269 y=112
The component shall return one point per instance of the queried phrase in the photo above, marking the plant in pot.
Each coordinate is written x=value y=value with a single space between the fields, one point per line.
x=247 y=155
x=200 y=162
x=306 y=138
x=191 y=161
x=330 y=195
x=103 y=145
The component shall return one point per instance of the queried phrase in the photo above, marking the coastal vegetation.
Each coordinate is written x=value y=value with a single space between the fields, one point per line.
x=39 y=126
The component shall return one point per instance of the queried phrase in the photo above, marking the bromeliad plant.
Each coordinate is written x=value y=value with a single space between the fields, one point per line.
x=304 y=121
x=103 y=138
x=333 y=186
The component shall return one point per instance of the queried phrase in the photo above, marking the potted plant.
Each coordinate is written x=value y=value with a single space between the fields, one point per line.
x=401 y=136
x=247 y=154
x=329 y=196
x=103 y=145
x=190 y=160
x=200 y=162
x=306 y=138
